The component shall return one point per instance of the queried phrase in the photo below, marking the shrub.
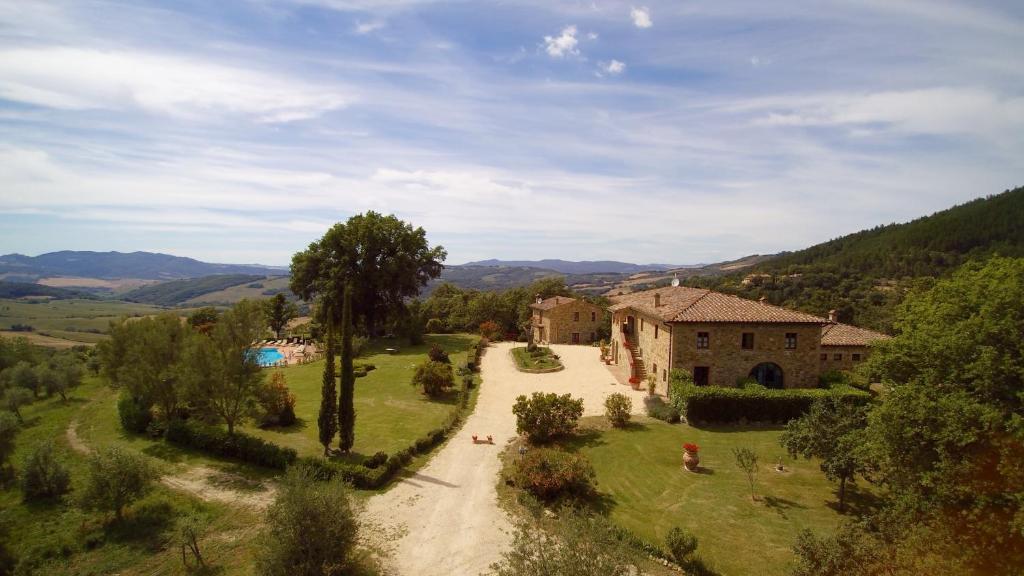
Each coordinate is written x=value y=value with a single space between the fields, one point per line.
x=311 y=528
x=376 y=460
x=9 y=429
x=356 y=475
x=657 y=408
x=437 y=354
x=237 y=446
x=681 y=545
x=435 y=378
x=490 y=330
x=42 y=476
x=115 y=480
x=544 y=417
x=359 y=345
x=724 y=405
x=135 y=414
x=617 y=408
x=551 y=474
x=277 y=403
x=16 y=397
x=435 y=326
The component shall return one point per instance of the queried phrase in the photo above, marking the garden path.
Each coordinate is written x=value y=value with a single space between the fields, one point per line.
x=203 y=482
x=445 y=519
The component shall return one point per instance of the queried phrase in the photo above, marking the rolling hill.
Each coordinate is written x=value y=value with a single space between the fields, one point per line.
x=571 y=267
x=865 y=275
x=176 y=292
x=116 y=265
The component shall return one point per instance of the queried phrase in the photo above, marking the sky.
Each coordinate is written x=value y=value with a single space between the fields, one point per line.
x=674 y=132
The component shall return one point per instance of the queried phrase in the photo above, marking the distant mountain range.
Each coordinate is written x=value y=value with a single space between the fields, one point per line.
x=584 y=267
x=117 y=265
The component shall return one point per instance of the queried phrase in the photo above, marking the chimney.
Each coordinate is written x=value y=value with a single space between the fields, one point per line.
x=762 y=300
x=539 y=299
x=657 y=299
x=833 y=316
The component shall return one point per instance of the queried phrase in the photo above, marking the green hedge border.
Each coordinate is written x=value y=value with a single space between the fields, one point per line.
x=720 y=405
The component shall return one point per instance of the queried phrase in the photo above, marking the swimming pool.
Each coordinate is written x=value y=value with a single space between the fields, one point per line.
x=270 y=356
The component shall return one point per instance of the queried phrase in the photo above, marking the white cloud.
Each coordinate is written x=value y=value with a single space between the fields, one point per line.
x=564 y=43
x=371 y=26
x=82 y=79
x=641 y=17
x=614 y=67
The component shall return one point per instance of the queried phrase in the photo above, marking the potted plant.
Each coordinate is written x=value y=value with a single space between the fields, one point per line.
x=690 y=457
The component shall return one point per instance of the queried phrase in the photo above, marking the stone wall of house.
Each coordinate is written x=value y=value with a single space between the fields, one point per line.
x=653 y=337
x=559 y=323
x=729 y=362
x=833 y=358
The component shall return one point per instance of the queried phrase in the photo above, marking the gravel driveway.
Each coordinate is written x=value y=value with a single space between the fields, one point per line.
x=445 y=520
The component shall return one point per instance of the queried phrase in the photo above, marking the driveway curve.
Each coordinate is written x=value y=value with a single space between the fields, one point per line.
x=445 y=519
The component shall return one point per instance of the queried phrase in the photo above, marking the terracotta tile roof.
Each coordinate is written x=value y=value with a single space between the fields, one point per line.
x=552 y=302
x=836 y=334
x=684 y=304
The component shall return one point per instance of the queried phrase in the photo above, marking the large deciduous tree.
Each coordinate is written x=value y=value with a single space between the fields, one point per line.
x=385 y=259
x=224 y=374
x=832 y=430
x=146 y=357
x=346 y=395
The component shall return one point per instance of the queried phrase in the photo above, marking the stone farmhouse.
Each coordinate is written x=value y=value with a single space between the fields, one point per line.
x=565 y=320
x=722 y=339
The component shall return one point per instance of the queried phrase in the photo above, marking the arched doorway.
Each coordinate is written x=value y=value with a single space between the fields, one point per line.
x=767 y=374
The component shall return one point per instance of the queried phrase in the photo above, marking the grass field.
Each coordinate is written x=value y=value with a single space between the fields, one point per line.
x=639 y=472
x=390 y=412
x=59 y=538
x=75 y=321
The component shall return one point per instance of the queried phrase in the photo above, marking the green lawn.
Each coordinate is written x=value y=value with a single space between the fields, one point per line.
x=640 y=470
x=390 y=412
x=59 y=538
x=540 y=359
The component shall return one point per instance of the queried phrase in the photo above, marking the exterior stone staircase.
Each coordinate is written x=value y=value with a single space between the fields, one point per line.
x=637 y=372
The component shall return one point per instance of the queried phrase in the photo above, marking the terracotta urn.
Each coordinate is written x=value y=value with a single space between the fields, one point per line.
x=690 y=458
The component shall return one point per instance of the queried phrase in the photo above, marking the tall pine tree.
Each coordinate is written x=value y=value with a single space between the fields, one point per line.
x=346 y=406
x=327 y=421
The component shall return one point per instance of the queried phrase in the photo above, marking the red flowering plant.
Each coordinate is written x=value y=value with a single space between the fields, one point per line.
x=691 y=447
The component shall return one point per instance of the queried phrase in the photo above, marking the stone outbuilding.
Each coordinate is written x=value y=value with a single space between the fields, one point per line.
x=844 y=346
x=720 y=339
x=565 y=320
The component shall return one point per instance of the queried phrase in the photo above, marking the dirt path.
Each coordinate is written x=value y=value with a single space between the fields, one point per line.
x=203 y=482
x=445 y=520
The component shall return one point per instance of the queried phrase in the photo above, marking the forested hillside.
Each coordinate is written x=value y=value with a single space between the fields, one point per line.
x=865 y=275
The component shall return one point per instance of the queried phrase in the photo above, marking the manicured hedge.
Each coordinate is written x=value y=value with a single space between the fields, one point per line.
x=237 y=446
x=726 y=405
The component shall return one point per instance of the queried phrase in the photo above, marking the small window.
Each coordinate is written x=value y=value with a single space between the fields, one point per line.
x=837 y=357
x=656 y=331
x=790 y=340
x=575 y=316
x=593 y=336
x=654 y=368
x=703 y=341
x=664 y=375
x=824 y=356
x=748 y=341
x=641 y=324
x=593 y=316
x=856 y=357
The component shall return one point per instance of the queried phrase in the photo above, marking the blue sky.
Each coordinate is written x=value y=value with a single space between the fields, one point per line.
x=676 y=131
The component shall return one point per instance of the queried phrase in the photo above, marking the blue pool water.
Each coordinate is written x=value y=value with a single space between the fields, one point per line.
x=270 y=356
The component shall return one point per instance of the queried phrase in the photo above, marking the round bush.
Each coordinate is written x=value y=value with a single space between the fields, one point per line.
x=551 y=474
x=617 y=408
x=135 y=414
x=681 y=544
x=435 y=378
x=42 y=476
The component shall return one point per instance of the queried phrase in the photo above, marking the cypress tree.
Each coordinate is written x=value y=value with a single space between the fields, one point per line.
x=327 y=421
x=346 y=406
